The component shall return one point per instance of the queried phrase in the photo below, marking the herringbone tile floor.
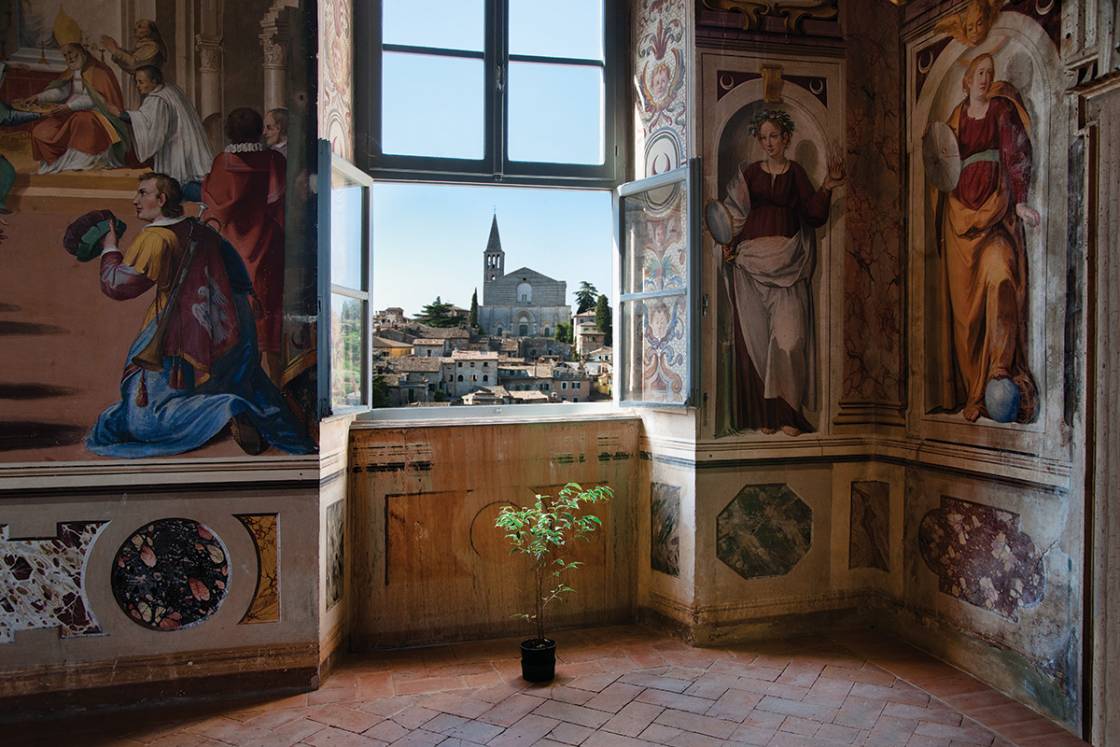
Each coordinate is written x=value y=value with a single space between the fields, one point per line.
x=622 y=686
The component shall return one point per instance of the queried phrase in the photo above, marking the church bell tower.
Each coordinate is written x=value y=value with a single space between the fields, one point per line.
x=493 y=259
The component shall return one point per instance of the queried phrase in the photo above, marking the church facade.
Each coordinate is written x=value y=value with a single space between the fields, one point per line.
x=522 y=303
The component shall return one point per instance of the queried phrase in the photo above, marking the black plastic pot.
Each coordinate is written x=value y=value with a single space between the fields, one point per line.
x=538 y=659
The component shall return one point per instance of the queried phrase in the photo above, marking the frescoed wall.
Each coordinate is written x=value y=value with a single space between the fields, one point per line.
x=942 y=306
x=181 y=331
x=994 y=567
x=336 y=77
x=660 y=85
x=775 y=168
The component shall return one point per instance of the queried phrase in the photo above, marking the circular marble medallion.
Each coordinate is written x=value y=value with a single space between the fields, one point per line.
x=170 y=574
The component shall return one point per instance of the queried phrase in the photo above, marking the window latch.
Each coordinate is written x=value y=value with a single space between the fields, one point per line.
x=499 y=80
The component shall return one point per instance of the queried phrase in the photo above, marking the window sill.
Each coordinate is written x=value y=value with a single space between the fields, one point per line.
x=492 y=415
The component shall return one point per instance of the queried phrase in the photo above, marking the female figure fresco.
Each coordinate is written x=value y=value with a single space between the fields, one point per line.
x=772 y=210
x=982 y=245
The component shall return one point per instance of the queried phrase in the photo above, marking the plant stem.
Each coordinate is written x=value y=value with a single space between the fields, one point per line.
x=540 y=600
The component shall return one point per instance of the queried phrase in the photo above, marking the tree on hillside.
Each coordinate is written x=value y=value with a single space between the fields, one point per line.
x=585 y=297
x=564 y=332
x=472 y=320
x=437 y=314
x=603 y=319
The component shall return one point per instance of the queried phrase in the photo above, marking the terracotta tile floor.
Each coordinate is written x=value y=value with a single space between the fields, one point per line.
x=622 y=686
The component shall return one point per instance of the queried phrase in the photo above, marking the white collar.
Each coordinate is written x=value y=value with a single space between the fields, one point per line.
x=245 y=148
x=163 y=220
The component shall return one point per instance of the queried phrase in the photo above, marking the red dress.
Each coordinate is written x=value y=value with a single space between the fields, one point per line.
x=244 y=198
x=81 y=130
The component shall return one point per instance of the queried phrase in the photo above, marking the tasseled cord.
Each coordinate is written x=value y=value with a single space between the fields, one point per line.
x=142 y=392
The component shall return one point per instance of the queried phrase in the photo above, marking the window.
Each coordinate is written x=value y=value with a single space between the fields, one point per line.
x=659 y=261
x=344 y=283
x=463 y=90
x=459 y=97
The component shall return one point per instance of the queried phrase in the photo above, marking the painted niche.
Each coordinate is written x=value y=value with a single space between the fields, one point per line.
x=777 y=164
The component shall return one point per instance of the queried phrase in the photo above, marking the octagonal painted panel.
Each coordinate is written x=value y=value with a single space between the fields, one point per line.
x=764 y=531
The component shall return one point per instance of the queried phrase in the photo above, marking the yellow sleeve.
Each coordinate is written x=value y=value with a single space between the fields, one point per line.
x=152 y=255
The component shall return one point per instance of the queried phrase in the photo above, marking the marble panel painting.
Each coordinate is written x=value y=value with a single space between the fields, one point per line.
x=981 y=556
x=265 y=531
x=764 y=531
x=869 y=533
x=664 y=522
x=873 y=259
x=42 y=581
x=171 y=574
x=335 y=553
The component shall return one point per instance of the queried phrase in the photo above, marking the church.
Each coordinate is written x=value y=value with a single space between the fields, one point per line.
x=523 y=303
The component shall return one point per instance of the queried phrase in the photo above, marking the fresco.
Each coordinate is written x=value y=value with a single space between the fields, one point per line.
x=660 y=85
x=42 y=582
x=170 y=574
x=336 y=553
x=983 y=119
x=336 y=78
x=869 y=542
x=980 y=556
x=157 y=155
x=765 y=227
x=784 y=16
x=265 y=531
x=665 y=528
x=764 y=531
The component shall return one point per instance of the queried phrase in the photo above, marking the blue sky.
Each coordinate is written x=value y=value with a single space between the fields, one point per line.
x=428 y=239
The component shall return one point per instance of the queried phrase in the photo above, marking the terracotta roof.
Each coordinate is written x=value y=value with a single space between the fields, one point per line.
x=529 y=396
x=384 y=342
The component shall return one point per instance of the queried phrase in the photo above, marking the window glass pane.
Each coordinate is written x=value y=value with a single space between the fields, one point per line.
x=432 y=106
x=347 y=372
x=347 y=216
x=555 y=113
x=655 y=321
x=657 y=366
x=655 y=228
x=573 y=29
x=526 y=253
x=449 y=24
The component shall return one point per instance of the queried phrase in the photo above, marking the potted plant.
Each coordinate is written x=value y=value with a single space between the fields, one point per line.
x=542 y=531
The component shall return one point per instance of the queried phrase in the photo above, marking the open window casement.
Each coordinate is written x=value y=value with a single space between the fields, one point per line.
x=657 y=321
